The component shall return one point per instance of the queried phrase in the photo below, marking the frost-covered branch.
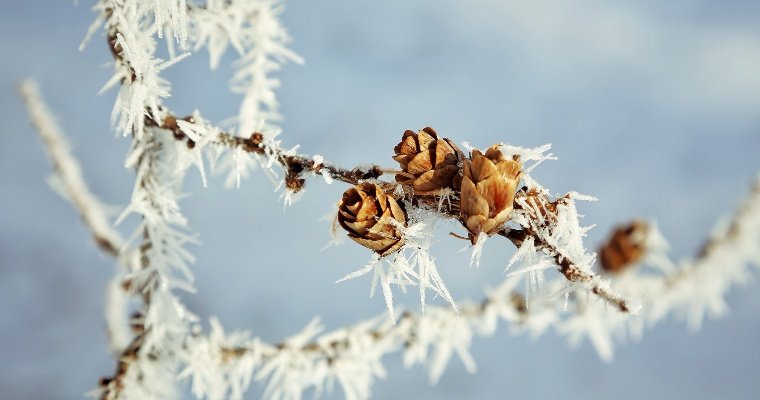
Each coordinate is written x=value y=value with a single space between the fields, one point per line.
x=698 y=287
x=68 y=174
x=487 y=193
x=312 y=359
x=222 y=365
x=571 y=271
x=295 y=166
x=148 y=364
x=350 y=356
x=68 y=180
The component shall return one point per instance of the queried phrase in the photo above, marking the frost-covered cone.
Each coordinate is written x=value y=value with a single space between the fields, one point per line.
x=488 y=191
x=372 y=218
x=428 y=163
x=625 y=247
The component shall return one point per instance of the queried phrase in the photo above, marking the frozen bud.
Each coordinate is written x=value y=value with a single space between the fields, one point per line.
x=294 y=182
x=488 y=191
x=427 y=163
x=372 y=218
x=170 y=123
x=625 y=247
x=256 y=138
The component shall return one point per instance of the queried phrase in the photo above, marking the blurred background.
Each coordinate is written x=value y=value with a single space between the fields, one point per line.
x=653 y=107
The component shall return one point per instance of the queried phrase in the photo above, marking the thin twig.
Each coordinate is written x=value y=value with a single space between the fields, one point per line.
x=738 y=227
x=92 y=211
x=571 y=271
x=68 y=172
x=402 y=333
x=295 y=165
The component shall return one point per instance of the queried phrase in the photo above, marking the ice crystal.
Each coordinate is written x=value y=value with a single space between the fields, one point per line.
x=412 y=265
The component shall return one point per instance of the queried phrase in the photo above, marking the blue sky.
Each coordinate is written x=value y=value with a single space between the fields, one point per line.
x=653 y=107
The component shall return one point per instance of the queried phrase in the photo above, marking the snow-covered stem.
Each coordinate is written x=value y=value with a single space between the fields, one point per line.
x=147 y=366
x=68 y=174
x=698 y=286
x=295 y=165
x=161 y=324
x=502 y=304
x=571 y=271
x=68 y=180
x=740 y=227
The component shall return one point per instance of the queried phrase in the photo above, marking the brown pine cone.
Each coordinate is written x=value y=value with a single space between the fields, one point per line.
x=488 y=191
x=625 y=247
x=368 y=214
x=428 y=163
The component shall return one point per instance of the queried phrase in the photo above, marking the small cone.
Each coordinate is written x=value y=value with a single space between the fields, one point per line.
x=488 y=191
x=372 y=218
x=428 y=163
x=625 y=247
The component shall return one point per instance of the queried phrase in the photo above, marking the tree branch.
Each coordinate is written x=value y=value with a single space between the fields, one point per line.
x=67 y=170
x=164 y=336
x=510 y=305
x=507 y=302
x=74 y=188
x=295 y=164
